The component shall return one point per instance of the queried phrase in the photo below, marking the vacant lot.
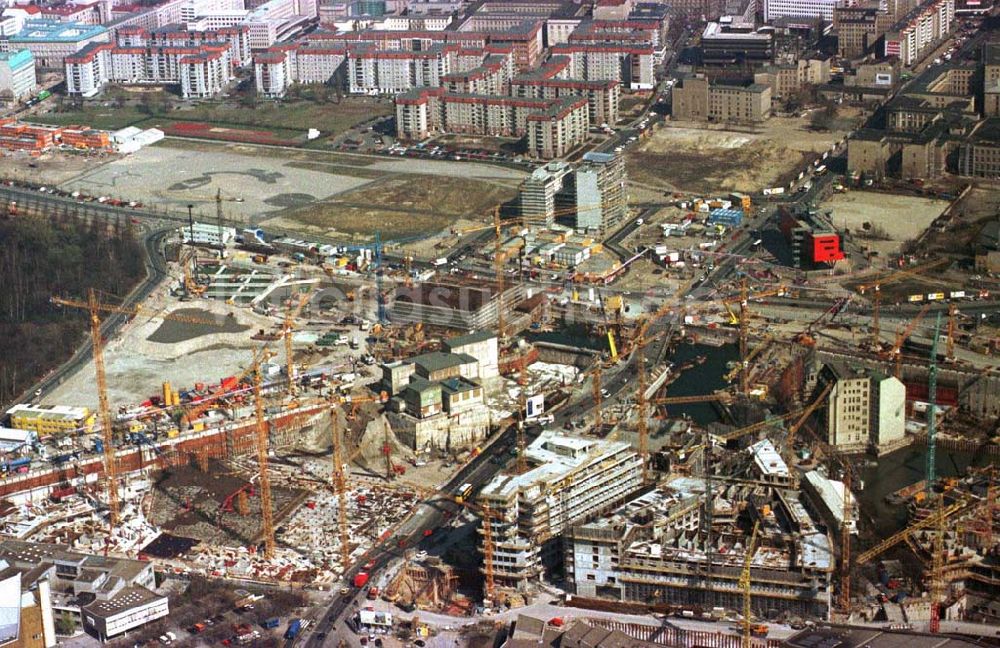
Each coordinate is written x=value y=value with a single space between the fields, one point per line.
x=704 y=159
x=895 y=218
x=403 y=206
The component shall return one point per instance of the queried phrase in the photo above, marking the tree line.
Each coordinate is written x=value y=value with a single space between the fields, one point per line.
x=60 y=255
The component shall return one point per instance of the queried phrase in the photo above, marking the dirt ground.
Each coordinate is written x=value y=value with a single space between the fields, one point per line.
x=901 y=217
x=978 y=207
x=702 y=159
x=189 y=503
x=402 y=206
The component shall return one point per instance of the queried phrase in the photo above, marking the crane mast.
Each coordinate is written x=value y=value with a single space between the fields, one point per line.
x=745 y=584
x=340 y=486
x=107 y=433
x=265 y=478
x=932 y=410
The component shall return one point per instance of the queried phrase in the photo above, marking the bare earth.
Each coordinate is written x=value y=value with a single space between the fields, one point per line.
x=701 y=158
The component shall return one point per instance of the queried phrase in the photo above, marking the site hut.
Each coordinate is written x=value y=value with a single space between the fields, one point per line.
x=45 y=421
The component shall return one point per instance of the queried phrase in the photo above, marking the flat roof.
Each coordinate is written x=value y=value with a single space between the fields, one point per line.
x=54 y=31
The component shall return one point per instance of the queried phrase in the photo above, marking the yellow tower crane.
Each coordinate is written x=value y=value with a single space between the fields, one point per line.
x=287 y=328
x=267 y=513
x=876 y=288
x=95 y=308
x=745 y=585
x=340 y=487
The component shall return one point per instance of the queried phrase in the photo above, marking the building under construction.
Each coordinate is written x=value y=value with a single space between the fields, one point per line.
x=464 y=306
x=570 y=479
x=661 y=547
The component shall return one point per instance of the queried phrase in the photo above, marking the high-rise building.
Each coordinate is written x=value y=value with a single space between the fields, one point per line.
x=571 y=480
x=601 y=198
x=863 y=409
x=541 y=194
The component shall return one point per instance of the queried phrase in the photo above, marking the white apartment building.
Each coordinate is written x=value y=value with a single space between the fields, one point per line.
x=774 y=9
x=919 y=30
x=205 y=74
x=272 y=74
x=87 y=70
x=571 y=479
x=628 y=64
x=372 y=71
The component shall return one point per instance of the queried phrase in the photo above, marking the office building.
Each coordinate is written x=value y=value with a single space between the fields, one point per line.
x=736 y=44
x=858 y=28
x=207 y=234
x=774 y=9
x=17 y=74
x=864 y=409
x=697 y=99
x=787 y=79
x=541 y=196
x=599 y=185
x=570 y=479
x=50 y=42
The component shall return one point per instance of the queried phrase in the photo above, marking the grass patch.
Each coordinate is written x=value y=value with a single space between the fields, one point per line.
x=404 y=205
x=284 y=120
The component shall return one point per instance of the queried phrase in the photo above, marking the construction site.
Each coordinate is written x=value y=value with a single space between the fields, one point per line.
x=729 y=409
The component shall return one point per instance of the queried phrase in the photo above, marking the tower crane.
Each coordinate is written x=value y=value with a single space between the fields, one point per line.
x=267 y=513
x=932 y=411
x=902 y=335
x=745 y=585
x=806 y=413
x=744 y=302
x=288 y=326
x=522 y=459
x=486 y=513
x=95 y=307
x=876 y=288
x=340 y=487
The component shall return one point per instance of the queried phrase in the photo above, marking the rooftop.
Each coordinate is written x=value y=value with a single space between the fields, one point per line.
x=555 y=456
x=53 y=31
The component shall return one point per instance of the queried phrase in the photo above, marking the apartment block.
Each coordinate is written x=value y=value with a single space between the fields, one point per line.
x=863 y=410
x=553 y=126
x=375 y=71
x=786 y=79
x=696 y=99
x=923 y=27
x=630 y=65
x=569 y=480
x=599 y=184
x=205 y=74
x=602 y=96
x=656 y=548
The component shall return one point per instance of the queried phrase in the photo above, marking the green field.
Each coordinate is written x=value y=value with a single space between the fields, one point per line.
x=285 y=120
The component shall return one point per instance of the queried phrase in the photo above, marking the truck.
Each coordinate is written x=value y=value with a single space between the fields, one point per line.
x=440 y=261
x=373 y=592
x=360 y=579
x=271 y=623
x=294 y=628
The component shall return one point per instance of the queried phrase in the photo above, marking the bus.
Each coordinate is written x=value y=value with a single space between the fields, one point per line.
x=463 y=493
